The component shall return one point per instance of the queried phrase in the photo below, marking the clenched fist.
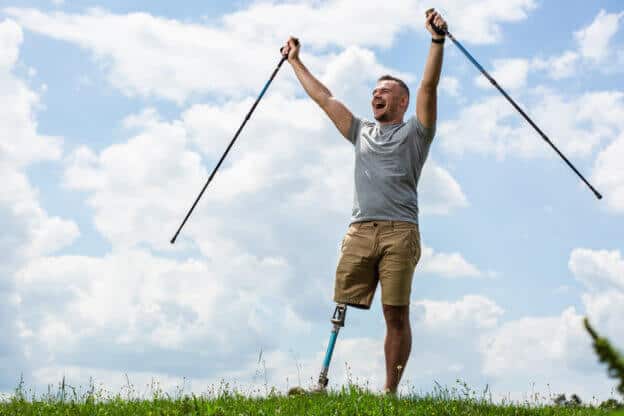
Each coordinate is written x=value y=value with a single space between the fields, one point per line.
x=291 y=49
x=433 y=18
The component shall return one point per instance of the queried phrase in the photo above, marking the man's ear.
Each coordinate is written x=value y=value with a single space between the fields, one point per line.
x=405 y=101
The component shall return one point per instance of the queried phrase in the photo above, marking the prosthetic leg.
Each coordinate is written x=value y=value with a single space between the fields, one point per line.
x=338 y=319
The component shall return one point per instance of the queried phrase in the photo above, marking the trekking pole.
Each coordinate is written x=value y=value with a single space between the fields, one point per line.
x=441 y=31
x=253 y=107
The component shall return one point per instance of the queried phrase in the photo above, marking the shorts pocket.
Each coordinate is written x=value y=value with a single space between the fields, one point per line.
x=351 y=231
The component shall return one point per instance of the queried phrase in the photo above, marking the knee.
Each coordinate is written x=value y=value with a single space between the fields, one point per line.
x=397 y=317
x=398 y=324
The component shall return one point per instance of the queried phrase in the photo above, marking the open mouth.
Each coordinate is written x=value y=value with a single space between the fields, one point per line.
x=379 y=106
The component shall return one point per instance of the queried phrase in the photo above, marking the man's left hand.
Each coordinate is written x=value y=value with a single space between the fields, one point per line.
x=434 y=18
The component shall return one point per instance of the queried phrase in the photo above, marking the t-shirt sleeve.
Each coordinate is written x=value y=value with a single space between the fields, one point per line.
x=422 y=132
x=354 y=130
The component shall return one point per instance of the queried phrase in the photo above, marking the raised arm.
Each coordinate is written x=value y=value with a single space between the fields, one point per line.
x=427 y=99
x=337 y=112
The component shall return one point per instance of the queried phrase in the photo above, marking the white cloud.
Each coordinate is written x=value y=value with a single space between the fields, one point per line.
x=361 y=23
x=439 y=193
x=480 y=21
x=594 y=47
x=28 y=230
x=605 y=108
x=11 y=37
x=509 y=73
x=598 y=269
x=21 y=104
x=200 y=59
x=450 y=85
x=481 y=128
x=604 y=310
x=132 y=298
x=447 y=265
x=558 y=67
x=447 y=340
x=541 y=345
x=558 y=348
x=166 y=176
x=602 y=273
x=329 y=180
x=594 y=40
x=550 y=350
x=372 y=23
x=472 y=312
x=608 y=174
x=576 y=125
x=133 y=54
x=151 y=178
x=33 y=232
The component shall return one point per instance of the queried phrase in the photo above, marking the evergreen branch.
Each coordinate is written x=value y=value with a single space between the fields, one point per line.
x=607 y=354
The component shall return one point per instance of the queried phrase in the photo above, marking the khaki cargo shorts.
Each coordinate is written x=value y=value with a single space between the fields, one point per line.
x=377 y=251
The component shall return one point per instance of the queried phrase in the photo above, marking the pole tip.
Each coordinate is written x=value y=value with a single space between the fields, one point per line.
x=598 y=195
x=173 y=240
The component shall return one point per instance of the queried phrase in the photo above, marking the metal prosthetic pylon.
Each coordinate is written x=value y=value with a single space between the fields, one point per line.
x=338 y=320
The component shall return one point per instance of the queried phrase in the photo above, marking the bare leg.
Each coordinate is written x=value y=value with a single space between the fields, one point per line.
x=398 y=344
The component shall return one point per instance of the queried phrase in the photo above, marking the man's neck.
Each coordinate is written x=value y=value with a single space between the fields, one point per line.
x=391 y=122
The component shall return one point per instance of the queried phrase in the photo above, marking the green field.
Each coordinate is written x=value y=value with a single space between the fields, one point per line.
x=349 y=401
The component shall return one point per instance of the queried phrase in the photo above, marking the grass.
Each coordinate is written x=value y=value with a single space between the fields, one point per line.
x=349 y=401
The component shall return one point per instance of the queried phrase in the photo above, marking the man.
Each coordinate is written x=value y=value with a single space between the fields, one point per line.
x=382 y=243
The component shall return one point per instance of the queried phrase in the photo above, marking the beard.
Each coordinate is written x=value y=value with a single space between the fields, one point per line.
x=383 y=117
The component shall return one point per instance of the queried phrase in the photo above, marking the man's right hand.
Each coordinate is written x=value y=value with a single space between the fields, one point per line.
x=291 y=49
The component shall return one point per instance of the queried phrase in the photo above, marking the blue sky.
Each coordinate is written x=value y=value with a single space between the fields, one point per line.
x=116 y=113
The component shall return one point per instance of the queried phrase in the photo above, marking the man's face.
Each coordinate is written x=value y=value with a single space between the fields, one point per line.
x=387 y=100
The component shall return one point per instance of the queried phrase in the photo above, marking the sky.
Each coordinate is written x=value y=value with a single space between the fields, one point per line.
x=114 y=114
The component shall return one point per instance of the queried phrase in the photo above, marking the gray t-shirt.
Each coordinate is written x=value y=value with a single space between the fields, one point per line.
x=388 y=162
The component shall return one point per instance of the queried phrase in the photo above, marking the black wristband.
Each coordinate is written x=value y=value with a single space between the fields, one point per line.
x=440 y=41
